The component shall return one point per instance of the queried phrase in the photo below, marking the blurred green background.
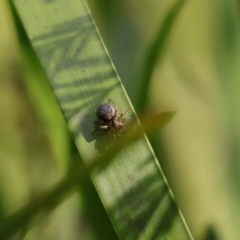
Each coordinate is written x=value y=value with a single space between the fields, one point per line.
x=196 y=73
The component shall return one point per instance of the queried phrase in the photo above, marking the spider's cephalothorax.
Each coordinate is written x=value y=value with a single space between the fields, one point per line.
x=108 y=118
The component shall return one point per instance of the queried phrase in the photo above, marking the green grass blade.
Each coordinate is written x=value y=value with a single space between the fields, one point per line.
x=155 y=52
x=132 y=186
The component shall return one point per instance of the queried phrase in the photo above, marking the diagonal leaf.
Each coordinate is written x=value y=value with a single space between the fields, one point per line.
x=132 y=186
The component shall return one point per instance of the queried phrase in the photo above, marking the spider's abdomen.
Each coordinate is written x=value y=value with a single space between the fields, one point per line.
x=105 y=112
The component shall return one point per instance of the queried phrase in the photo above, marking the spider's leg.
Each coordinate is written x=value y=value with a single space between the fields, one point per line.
x=123 y=113
x=111 y=138
x=126 y=119
x=111 y=101
x=114 y=105
x=112 y=135
x=128 y=125
x=99 y=128
x=98 y=123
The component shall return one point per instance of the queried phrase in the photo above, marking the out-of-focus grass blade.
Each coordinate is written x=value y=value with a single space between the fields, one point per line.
x=132 y=186
x=155 y=52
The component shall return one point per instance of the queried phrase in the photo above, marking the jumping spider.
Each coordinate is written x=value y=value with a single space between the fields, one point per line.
x=108 y=118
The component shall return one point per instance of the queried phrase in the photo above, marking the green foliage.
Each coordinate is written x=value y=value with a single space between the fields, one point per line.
x=132 y=186
x=177 y=54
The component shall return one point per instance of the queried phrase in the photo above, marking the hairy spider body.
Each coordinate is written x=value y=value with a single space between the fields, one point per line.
x=108 y=118
x=105 y=112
